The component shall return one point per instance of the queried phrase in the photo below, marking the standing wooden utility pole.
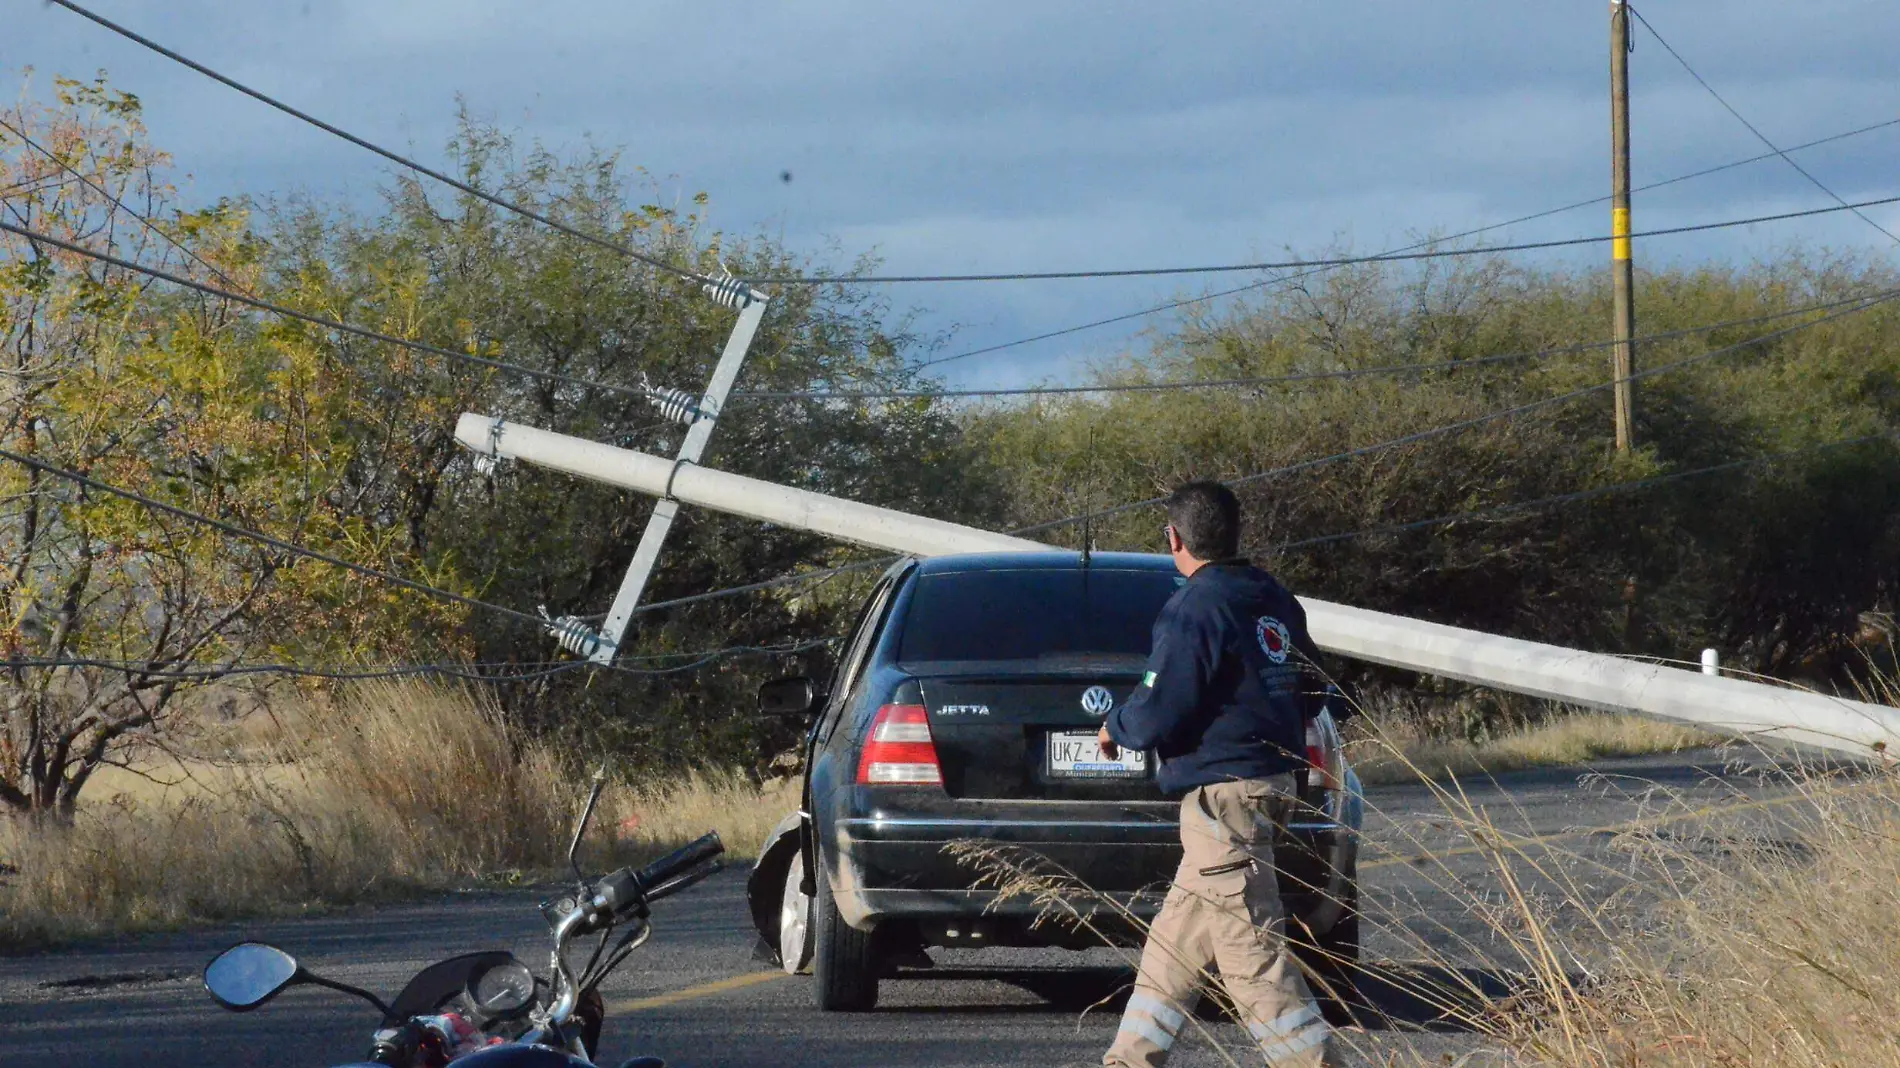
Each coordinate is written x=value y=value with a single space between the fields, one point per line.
x=1622 y=273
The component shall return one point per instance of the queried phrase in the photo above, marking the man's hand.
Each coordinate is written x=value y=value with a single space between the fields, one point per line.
x=1109 y=748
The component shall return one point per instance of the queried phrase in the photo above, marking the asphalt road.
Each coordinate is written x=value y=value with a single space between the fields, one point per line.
x=695 y=997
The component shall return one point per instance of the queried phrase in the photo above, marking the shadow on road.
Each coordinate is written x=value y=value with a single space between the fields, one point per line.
x=1392 y=996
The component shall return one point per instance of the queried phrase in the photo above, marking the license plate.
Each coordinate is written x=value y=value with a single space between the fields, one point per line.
x=1078 y=755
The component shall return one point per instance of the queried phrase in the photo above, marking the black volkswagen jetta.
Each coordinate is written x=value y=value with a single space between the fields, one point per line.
x=965 y=706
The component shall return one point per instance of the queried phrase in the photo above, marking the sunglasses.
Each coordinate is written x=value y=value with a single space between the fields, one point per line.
x=1167 y=535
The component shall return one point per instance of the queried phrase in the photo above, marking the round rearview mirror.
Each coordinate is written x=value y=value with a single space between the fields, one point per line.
x=249 y=974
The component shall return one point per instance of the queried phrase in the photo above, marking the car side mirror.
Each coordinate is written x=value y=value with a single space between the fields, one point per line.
x=249 y=974
x=796 y=696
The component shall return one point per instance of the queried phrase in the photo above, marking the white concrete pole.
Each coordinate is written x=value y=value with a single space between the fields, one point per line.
x=787 y=506
x=1571 y=676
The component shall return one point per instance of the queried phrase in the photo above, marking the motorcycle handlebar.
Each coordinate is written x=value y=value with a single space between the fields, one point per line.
x=626 y=890
x=680 y=861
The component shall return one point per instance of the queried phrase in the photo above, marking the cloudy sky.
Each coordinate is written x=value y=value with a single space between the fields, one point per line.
x=975 y=136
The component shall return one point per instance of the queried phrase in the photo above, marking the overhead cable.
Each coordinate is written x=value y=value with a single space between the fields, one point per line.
x=121 y=205
x=298 y=550
x=1568 y=498
x=317 y=320
x=1859 y=304
x=1274 y=265
x=279 y=544
x=505 y=671
x=1288 y=279
x=467 y=672
x=1872 y=300
x=401 y=160
x=1308 y=376
x=1759 y=136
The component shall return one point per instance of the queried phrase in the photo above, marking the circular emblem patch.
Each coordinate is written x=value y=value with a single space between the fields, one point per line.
x=1275 y=641
x=1097 y=701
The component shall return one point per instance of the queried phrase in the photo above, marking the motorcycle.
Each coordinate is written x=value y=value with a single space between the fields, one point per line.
x=489 y=1010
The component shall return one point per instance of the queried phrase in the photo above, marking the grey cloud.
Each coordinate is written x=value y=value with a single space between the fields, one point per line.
x=980 y=135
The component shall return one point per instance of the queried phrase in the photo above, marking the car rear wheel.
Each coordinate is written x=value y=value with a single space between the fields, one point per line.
x=844 y=965
x=794 y=921
x=1332 y=959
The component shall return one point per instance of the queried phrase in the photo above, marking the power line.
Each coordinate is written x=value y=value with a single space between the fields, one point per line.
x=400 y=160
x=1251 y=286
x=128 y=667
x=314 y=320
x=1567 y=498
x=370 y=572
x=148 y=223
x=175 y=279
x=1310 y=376
x=265 y=539
x=467 y=671
x=1759 y=136
x=1271 y=265
x=1870 y=301
x=768 y=584
x=1861 y=304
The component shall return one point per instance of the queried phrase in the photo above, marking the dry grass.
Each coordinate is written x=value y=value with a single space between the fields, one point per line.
x=394 y=788
x=1743 y=932
x=1398 y=751
x=1775 y=950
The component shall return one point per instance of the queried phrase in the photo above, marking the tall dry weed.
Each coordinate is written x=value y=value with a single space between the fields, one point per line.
x=1746 y=923
x=387 y=789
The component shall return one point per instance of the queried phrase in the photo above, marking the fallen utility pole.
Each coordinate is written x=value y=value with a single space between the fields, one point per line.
x=1552 y=672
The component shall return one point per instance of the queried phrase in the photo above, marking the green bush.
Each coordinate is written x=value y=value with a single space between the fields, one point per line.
x=1773 y=562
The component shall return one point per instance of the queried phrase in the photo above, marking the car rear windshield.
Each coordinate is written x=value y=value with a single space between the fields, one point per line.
x=1033 y=614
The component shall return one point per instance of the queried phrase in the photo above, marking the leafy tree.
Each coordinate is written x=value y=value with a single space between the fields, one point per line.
x=454 y=270
x=175 y=396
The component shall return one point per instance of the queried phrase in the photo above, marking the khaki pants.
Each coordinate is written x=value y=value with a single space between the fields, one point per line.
x=1224 y=909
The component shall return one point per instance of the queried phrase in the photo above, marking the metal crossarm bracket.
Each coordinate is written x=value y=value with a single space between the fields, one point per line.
x=699 y=418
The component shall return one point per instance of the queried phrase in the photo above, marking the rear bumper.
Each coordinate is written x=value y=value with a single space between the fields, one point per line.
x=910 y=868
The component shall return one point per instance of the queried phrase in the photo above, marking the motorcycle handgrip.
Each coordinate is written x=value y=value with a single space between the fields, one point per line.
x=625 y=890
x=680 y=861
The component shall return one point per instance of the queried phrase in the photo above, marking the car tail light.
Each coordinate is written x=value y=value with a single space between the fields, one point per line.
x=899 y=748
x=1322 y=748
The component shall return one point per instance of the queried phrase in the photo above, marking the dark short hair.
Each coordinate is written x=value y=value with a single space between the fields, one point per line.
x=1206 y=516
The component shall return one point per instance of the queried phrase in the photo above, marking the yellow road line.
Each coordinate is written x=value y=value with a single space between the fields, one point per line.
x=694 y=993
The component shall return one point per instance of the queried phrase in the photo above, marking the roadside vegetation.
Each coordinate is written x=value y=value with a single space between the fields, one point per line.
x=383 y=791
x=1729 y=929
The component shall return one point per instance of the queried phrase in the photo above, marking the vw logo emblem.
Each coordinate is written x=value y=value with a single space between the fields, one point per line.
x=1097 y=701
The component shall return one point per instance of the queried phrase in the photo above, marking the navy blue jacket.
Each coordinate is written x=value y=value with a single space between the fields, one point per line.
x=1225 y=696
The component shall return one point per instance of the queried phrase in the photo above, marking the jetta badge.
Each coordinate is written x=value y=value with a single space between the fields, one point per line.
x=1097 y=701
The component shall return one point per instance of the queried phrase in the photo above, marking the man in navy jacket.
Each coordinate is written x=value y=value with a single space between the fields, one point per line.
x=1223 y=707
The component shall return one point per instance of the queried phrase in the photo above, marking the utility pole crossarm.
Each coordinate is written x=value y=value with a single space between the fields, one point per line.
x=601 y=646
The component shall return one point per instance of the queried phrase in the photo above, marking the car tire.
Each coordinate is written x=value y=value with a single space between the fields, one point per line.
x=844 y=965
x=1332 y=960
x=794 y=921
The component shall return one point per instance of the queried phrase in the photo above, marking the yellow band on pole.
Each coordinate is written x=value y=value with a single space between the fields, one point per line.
x=1620 y=231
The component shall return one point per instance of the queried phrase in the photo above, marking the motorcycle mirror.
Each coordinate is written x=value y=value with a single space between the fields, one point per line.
x=249 y=974
x=580 y=828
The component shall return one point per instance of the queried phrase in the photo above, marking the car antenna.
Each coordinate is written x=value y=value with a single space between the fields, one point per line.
x=1088 y=510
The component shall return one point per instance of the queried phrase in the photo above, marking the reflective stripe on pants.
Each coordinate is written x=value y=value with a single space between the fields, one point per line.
x=1224 y=909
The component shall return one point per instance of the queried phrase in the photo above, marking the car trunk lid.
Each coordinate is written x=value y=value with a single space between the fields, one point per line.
x=1015 y=735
